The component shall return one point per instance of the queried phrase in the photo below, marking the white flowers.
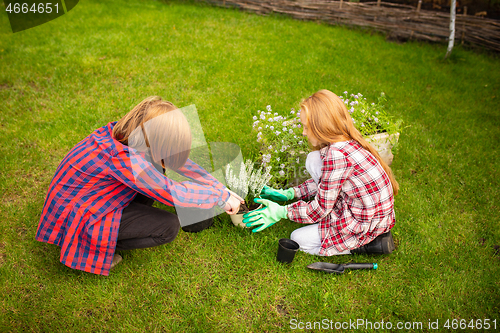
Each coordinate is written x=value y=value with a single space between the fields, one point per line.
x=284 y=148
x=237 y=184
x=249 y=179
x=266 y=158
x=370 y=118
x=280 y=140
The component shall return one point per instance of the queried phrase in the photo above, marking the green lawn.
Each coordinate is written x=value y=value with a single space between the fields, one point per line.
x=61 y=80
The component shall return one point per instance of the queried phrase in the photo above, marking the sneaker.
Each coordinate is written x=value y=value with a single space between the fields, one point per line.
x=383 y=244
x=116 y=260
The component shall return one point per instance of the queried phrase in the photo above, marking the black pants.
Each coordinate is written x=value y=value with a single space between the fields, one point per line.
x=144 y=226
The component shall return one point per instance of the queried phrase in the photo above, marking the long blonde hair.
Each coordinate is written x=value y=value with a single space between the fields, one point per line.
x=158 y=125
x=329 y=121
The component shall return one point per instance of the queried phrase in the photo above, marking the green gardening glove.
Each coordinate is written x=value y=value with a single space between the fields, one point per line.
x=277 y=195
x=265 y=217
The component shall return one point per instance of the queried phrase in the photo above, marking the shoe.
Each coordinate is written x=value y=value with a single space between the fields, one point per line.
x=383 y=244
x=116 y=260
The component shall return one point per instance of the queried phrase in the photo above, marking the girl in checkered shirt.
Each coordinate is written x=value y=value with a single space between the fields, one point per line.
x=352 y=188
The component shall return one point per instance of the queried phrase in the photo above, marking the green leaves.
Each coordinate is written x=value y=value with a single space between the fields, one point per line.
x=370 y=118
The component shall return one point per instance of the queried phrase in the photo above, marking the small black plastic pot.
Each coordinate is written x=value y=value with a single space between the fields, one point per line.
x=286 y=250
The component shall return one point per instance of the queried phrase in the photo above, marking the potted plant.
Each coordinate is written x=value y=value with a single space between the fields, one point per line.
x=248 y=182
x=283 y=147
x=378 y=127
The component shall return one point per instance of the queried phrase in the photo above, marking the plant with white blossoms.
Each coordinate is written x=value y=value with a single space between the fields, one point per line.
x=282 y=145
x=249 y=182
x=370 y=118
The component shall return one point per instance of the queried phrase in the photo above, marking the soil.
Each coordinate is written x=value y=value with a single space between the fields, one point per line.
x=244 y=208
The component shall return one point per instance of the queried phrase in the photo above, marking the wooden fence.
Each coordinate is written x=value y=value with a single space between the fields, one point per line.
x=396 y=21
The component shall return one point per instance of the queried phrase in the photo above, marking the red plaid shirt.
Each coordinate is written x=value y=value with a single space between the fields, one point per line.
x=354 y=201
x=94 y=183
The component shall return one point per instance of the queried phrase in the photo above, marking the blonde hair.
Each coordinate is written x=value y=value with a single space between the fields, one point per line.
x=158 y=125
x=329 y=121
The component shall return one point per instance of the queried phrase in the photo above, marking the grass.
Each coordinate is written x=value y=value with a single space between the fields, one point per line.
x=61 y=80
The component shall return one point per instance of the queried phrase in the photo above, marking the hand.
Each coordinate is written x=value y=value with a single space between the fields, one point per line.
x=232 y=205
x=265 y=217
x=277 y=195
x=236 y=196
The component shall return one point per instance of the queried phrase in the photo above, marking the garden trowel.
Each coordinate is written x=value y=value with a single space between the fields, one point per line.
x=340 y=268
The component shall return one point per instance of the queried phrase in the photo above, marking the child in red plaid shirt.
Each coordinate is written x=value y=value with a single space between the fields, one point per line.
x=100 y=199
x=352 y=210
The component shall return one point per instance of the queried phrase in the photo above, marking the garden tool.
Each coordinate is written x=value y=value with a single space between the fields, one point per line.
x=340 y=268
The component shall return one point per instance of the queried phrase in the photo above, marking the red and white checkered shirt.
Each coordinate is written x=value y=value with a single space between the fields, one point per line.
x=353 y=203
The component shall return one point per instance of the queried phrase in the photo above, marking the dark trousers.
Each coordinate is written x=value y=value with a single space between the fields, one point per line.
x=144 y=226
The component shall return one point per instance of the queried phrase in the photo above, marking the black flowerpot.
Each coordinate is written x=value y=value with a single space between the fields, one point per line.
x=286 y=250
